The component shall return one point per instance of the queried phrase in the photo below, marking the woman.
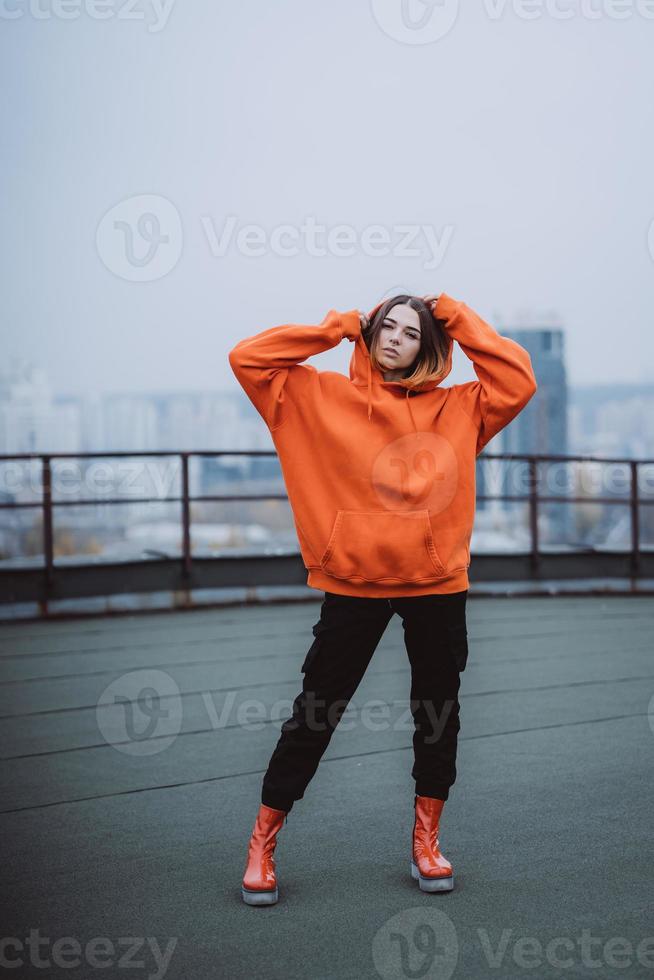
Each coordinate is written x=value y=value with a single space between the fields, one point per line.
x=380 y=474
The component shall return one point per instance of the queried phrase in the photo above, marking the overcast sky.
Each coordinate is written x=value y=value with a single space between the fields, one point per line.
x=513 y=156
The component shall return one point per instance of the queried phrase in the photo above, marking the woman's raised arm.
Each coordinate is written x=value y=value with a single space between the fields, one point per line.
x=267 y=363
x=506 y=376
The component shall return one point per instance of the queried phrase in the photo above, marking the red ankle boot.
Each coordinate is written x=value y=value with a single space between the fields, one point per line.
x=259 y=881
x=428 y=866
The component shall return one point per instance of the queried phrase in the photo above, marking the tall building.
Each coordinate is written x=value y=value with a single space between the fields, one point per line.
x=541 y=427
x=31 y=419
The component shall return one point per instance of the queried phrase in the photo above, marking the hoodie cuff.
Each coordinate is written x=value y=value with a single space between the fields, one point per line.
x=446 y=307
x=350 y=324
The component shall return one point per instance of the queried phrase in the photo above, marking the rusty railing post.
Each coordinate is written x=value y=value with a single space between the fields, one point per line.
x=635 y=520
x=48 y=540
x=533 y=515
x=186 y=518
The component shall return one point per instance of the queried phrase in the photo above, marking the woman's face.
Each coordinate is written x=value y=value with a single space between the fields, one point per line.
x=398 y=341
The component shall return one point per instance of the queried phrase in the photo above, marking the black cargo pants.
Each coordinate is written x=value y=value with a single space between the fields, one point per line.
x=346 y=636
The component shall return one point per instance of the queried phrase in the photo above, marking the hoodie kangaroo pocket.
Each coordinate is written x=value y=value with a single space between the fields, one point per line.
x=382 y=546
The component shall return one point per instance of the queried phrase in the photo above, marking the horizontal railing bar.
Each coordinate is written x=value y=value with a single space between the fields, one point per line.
x=89 y=502
x=154 y=453
x=625 y=501
x=512 y=498
x=563 y=458
x=112 y=501
x=146 y=453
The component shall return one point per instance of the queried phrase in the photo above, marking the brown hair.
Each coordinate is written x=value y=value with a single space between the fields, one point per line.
x=434 y=342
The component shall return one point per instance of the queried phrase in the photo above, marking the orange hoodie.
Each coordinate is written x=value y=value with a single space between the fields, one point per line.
x=380 y=475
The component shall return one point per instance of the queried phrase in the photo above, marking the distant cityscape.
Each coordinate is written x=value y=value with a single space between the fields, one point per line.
x=601 y=420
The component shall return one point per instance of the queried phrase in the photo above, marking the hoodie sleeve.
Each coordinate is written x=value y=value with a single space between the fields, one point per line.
x=506 y=377
x=267 y=364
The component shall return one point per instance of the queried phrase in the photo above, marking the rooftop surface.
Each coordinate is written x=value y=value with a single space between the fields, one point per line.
x=133 y=752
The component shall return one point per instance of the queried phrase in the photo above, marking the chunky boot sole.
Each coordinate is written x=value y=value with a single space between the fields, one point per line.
x=442 y=884
x=256 y=897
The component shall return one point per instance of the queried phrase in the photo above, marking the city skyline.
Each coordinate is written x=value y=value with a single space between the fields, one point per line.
x=601 y=419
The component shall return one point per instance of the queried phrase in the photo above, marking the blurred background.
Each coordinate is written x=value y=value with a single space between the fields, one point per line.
x=179 y=176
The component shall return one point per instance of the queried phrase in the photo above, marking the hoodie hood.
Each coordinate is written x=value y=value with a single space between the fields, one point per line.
x=363 y=373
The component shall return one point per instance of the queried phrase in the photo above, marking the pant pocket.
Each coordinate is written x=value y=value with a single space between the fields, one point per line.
x=458 y=644
x=311 y=654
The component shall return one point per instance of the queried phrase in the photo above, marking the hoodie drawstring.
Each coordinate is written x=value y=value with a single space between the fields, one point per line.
x=369 y=388
x=408 y=401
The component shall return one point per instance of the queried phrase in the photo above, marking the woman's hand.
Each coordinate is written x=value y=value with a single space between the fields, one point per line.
x=431 y=302
x=365 y=322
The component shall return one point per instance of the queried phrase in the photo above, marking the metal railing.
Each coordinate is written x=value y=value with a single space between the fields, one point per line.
x=533 y=498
